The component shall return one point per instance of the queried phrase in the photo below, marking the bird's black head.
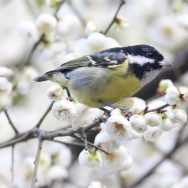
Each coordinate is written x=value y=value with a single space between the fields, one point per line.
x=145 y=61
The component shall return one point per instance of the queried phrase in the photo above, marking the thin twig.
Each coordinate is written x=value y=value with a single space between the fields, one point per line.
x=59 y=6
x=12 y=163
x=158 y=109
x=114 y=18
x=44 y=115
x=11 y=123
x=166 y=156
x=91 y=144
x=69 y=143
x=37 y=159
x=68 y=92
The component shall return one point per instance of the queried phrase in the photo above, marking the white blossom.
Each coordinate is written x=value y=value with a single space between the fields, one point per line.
x=178 y=116
x=106 y=142
x=119 y=160
x=96 y=184
x=138 y=123
x=86 y=118
x=119 y=128
x=120 y=24
x=116 y=111
x=139 y=105
x=152 y=119
x=5 y=86
x=172 y=95
x=67 y=25
x=5 y=72
x=64 y=110
x=63 y=157
x=44 y=162
x=55 y=92
x=46 y=23
x=127 y=102
x=56 y=173
x=91 y=28
x=29 y=32
x=182 y=21
x=29 y=73
x=90 y=159
x=164 y=85
x=152 y=134
x=167 y=124
x=94 y=43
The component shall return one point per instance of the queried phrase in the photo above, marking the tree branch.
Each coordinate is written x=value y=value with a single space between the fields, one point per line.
x=37 y=159
x=10 y=122
x=45 y=114
x=12 y=162
x=114 y=18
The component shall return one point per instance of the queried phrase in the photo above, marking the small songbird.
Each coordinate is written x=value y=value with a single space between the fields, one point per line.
x=109 y=75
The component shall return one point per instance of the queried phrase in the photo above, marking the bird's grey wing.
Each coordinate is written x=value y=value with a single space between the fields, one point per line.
x=107 y=58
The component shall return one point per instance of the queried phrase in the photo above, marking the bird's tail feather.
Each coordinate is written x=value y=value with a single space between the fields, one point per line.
x=41 y=78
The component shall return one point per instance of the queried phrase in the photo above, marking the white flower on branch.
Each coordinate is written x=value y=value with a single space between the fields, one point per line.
x=172 y=95
x=167 y=124
x=91 y=28
x=29 y=32
x=164 y=85
x=119 y=128
x=152 y=119
x=5 y=86
x=94 y=43
x=107 y=143
x=126 y=102
x=29 y=73
x=90 y=159
x=119 y=160
x=5 y=72
x=55 y=92
x=96 y=184
x=152 y=134
x=177 y=116
x=56 y=172
x=120 y=24
x=139 y=105
x=64 y=110
x=67 y=25
x=46 y=23
x=88 y=116
x=138 y=123
x=44 y=162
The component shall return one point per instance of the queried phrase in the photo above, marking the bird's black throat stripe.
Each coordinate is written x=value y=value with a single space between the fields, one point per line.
x=141 y=70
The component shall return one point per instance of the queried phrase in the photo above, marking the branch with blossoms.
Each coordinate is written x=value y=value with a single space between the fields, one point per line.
x=113 y=132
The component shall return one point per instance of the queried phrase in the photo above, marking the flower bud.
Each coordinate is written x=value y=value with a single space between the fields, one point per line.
x=46 y=23
x=152 y=119
x=138 y=123
x=5 y=72
x=178 y=116
x=55 y=93
x=164 y=85
x=90 y=28
x=120 y=24
x=90 y=159
x=172 y=95
x=167 y=125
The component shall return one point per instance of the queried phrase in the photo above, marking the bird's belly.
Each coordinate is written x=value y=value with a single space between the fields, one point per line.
x=110 y=92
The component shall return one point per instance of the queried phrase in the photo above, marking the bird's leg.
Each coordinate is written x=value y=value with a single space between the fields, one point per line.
x=106 y=111
x=125 y=111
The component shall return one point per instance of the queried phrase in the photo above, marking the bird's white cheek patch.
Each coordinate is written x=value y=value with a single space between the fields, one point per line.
x=149 y=76
x=141 y=60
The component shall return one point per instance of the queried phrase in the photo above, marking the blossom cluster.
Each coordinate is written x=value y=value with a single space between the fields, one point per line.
x=5 y=87
x=118 y=128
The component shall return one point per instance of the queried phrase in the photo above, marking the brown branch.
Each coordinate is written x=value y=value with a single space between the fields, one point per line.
x=69 y=143
x=37 y=159
x=114 y=18
x=11 y=123
x=157 y=109
x=89 y=143
x=12 y=163
x=45 y=114
x=166 y=156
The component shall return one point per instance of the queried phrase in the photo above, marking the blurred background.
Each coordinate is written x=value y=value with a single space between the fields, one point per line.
x=160 y=23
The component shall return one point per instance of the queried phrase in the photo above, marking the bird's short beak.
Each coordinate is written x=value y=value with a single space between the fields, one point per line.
x=165 y=63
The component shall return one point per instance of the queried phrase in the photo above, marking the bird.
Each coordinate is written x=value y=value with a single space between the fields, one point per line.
x=103 y=78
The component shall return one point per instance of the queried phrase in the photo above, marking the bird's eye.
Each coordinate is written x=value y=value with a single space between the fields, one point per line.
x=149 y=55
